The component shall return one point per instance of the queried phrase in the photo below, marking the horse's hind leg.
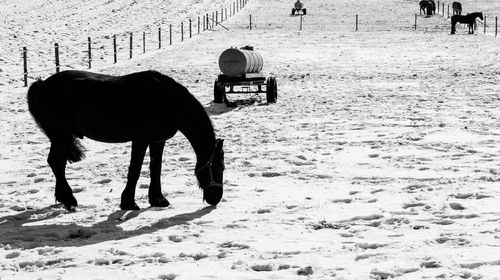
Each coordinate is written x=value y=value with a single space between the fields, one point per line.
x=57 y=162
x=134 y=170
x=156 y=198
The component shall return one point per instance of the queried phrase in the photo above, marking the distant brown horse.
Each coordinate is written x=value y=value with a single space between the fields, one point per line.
x=427 y=7
x=146 y=108
x=457 y=8
x=469 y=19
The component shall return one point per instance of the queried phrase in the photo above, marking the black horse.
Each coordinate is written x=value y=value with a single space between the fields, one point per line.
x=457 y=8
x=469 y=19
x=427 y=7
x=146 y=108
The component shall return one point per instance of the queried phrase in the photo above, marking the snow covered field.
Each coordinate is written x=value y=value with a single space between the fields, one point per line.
x=380 y=158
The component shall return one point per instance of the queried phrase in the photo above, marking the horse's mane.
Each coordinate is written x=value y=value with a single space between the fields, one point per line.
x=475 y=14
x=187 y=98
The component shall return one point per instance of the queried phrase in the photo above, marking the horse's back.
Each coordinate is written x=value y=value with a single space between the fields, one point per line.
x=111 y=108
x=80 y=87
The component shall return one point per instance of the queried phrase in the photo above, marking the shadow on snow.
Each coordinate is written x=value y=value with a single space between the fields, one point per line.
x=21 y=230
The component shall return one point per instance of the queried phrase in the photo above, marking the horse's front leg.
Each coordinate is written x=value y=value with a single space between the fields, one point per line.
x=57 y=162
x=134 y=170
x=156 y=198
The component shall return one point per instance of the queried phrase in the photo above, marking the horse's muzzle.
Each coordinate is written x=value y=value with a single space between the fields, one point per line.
x=212 y=193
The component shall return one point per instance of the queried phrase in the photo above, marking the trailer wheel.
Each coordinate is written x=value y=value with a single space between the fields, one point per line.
x=219 y=92
x=271 y=90
x=304 y=11
x=293 y=11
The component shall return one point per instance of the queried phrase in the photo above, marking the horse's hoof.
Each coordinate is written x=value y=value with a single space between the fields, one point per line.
x=70 y=208
x=213 y=195
x=129 y=206
x=159 y=202
x=69 y=203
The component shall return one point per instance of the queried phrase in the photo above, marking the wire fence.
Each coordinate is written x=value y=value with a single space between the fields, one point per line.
x=367 y=23
x=110 y=49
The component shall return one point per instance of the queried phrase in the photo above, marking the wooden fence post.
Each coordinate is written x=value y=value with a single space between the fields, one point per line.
x=225 y=13
x=415 y=21
x=25 y=66
x=182 y=31
x=199 y=25
x=496 y=26
x=437 y=6
x=216 y=17
x=114 y=49
x=250 y=22
x=131 y=42
x=484 y=24
x=143 y=41
x=221 y=15
x=190 y=32
x=301 y=22
x=159 y=37
x=442 y=10
x=356 y=22
x=56 y=51
x=170 y=31
x=213 y=19
x=90 y=51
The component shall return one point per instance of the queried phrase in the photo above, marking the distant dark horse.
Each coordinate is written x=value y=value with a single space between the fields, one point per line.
x=427 y=7
x=457 y=8
x=146 y=108
x=469 y=19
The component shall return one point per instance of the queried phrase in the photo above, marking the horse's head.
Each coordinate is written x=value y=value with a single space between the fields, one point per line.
x=210 y=175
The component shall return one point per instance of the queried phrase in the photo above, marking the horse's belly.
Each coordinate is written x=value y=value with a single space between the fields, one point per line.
x=119 y=131
x=104 y=133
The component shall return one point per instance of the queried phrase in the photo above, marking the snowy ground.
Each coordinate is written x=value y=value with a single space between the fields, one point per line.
x=380 y=158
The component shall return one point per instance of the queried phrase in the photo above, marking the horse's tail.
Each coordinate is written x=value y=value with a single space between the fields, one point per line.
x=33 y=109
x=76 y=151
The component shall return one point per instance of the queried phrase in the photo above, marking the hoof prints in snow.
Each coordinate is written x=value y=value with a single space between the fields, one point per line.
x=272 y=174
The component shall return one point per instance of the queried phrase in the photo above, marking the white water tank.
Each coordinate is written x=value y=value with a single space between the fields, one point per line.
x=235 y=62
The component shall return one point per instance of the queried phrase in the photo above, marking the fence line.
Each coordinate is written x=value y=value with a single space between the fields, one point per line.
x=239 y=4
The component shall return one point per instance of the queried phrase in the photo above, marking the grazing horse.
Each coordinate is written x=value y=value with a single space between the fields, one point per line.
x=469 y=19
x=427 y=7
x=146 y=108
x=457 y=8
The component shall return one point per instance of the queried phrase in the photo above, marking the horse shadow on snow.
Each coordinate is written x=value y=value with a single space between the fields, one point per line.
x=24 y=230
